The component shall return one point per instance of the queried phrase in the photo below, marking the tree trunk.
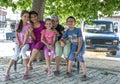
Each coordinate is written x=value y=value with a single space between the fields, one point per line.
x=38 y=6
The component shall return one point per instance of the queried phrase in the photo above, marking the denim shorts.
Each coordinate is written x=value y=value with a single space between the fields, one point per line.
x=72 y=56
x=79 y=57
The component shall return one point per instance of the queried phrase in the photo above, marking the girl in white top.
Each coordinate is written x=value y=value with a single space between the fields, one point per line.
x=21 y=44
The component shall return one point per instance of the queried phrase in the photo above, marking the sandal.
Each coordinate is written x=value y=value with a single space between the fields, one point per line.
x=25 y=77
x=84 y=78
x=7 y=77
x=49 y=73
x=46 y=70
x=30 y=68
x=68 y=75
x=56 y=73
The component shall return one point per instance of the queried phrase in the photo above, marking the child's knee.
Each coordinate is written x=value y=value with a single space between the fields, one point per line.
x=25 y=57
x=14 y=58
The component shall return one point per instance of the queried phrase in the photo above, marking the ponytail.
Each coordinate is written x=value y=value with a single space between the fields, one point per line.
x=20 y=26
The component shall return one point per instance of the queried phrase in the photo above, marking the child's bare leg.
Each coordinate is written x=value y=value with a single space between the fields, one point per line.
x=32 y=57
x=51 y=58
x=66 y=63
x=70 y=63
x=84 y=77
x=9 y=66
x=82 y=64
x=57 y=59
x=48 y=65
x=26 y=68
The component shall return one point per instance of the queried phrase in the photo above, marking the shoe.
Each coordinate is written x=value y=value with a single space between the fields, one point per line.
x=25 y=77
x=46 y=70
x=30 y=68
x=7 y=77
x=84 y=78
x=56 y=73
x=68 y=75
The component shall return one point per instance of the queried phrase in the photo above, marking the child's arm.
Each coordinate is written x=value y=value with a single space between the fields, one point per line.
x=54 y=38
x=42 y=40
x=25 y=38
x=62 y=41
x=32 y=34
x=79 y=45
x=18 y=40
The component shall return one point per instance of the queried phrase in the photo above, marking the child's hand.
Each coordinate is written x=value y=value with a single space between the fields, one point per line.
x=30 y=30
x=48 y=46
x=76 y=53
x=21 y=46
x=62 y=43
x=59 y=42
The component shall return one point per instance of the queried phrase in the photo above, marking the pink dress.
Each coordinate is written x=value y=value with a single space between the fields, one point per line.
x=48 y=37
x=37 y=44
x=21 y=34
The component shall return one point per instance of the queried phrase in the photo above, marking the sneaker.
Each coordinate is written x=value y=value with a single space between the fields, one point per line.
x=25 y=77
x=84 y=78
x=56 y=73
x=30 y=68
x=68 y=75
x=7 y=77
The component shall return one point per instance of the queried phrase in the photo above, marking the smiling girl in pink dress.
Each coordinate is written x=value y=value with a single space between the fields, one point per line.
x=48 y=38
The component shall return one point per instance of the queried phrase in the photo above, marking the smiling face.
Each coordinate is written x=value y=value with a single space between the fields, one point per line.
x=55 y=22
x=70 y=22
x=33 y=18
x=25 y=17
x=48 y=24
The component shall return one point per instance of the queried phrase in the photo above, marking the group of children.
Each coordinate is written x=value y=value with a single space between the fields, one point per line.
x=38 y=35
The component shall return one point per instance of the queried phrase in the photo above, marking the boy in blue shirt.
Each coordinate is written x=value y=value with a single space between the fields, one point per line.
x=77 y=46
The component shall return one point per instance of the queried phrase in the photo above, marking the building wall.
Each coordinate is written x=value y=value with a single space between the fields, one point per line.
x=3 y=14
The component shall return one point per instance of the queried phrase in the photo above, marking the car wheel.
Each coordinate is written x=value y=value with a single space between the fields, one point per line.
x=13 y=39
x=113 y=52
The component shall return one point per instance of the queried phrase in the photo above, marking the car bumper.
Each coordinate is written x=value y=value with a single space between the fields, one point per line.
x=103 y=49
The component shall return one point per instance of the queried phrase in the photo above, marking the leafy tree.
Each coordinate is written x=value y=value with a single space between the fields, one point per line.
x=81 y=9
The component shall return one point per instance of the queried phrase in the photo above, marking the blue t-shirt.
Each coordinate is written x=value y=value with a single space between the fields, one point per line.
x=73 y=35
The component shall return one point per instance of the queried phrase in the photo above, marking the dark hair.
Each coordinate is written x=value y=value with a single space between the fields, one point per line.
x=48 y=19
x=55 y=16
x=71 y=17
x=32 y=13
x=20 y=25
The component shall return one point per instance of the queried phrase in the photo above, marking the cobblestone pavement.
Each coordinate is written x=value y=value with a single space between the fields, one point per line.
x=97 y=73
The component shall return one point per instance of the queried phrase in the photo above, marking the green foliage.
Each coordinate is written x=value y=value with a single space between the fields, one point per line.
x=80 y=9
x=19 y=5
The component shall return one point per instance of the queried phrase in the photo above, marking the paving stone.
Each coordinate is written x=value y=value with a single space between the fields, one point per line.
x=96 y=75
